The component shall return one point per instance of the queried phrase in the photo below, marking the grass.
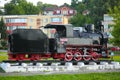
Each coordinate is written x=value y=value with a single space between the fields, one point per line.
x=117 y=52
x=3 y=53
x=3 y=56
x=90 y=76
x=116 y=58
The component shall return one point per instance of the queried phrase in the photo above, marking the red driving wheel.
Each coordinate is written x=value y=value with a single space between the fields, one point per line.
x=68 y=56
x=77 y=56
x=87 y=57
x=95 y=56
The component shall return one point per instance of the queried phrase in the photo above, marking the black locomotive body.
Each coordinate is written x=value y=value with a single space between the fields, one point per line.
x=66 y=44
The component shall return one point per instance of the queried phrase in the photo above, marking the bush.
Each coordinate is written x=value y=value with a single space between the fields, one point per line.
x=3 y=44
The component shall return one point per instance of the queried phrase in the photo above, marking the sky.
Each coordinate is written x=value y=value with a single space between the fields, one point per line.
x=58 y=2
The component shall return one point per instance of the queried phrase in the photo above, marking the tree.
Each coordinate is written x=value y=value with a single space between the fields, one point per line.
x=80 y=20
x=115 y=13
x=74 y=3
x=42 y=6
x=113 y=3
x=3 y=29
x=1 y=12
x=39 y=5
x=29 y=8
x=17 y=10
x=96 y=8
x=20 y=7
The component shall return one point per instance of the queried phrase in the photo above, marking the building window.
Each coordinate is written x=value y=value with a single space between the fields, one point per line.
x=22 y=27
x=7 y=21
x=50 y=13
x=65 y=12
x=10 y=28
x=15 y=27
x=45 y=20
x=31 y=20
x=58 y=11
x=108 y=18
x=30 y=27
x=71 y=11
x=13 y=20
x=56 y=19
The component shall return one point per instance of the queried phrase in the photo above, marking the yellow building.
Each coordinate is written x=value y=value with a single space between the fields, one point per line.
x=32 y=21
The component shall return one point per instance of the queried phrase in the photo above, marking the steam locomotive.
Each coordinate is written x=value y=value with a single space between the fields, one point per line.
x=68 y=43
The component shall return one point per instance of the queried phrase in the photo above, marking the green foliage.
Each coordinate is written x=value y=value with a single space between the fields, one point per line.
x=20 y=7
x=96 y=8
x=115 y=13
x=74 y=3
x=3 y=56
x=3 y=53
x=80 y=20
x=1 y=12
x=91 y=76
x=116 y=58
x=3 y=29
x=18 y=10
x=113 y=3
x=42 y=6
x=3 y=44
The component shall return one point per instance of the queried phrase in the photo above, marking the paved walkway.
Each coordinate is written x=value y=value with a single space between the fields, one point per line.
x=3 y=50
x=55 y=72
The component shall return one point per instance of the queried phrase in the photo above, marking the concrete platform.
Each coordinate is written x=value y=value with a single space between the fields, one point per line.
x=40 y=67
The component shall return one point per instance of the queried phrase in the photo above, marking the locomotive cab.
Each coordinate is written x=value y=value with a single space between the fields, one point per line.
x=62 y=32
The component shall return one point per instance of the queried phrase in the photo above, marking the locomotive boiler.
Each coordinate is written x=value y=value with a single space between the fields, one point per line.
x=68 y=43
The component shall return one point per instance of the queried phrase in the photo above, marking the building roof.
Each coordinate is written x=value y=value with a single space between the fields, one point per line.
x=66 y=5
x=52 y=8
